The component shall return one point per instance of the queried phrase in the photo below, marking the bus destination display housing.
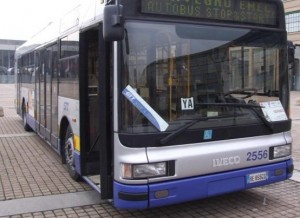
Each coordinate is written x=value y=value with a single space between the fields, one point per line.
x=246 y=12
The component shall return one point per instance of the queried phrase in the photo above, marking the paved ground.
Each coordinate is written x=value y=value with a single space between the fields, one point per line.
x=33 y=183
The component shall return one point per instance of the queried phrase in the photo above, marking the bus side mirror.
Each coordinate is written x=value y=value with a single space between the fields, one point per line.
x=113 y=23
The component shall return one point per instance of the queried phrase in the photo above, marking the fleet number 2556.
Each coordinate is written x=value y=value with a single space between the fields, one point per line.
x=257 y=155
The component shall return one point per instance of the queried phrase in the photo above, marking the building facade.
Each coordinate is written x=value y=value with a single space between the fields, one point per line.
x=292 y=17
x=7 y=51
x=7 y=60
x=292 y=11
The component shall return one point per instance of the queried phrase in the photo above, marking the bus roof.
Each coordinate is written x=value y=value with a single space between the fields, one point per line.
x=269 y=13
x=86 y=14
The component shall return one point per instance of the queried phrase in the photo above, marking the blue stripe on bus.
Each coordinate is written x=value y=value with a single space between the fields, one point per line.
x=77 y=162
x=31 y=121
x=199 y=187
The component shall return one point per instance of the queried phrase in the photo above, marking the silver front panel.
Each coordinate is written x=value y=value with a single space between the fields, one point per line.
x=202 y=158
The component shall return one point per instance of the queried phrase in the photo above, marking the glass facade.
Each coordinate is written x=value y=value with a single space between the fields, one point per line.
x=7 y=58
x=293 y=22
x=7 y=52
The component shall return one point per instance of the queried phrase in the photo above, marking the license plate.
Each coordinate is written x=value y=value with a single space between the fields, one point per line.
x=257 y=177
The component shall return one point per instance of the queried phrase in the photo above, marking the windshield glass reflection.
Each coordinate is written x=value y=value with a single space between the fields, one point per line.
x=182 y=71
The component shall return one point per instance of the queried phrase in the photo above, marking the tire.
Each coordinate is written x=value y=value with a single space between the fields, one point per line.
x=69 y=154
x=27 y=128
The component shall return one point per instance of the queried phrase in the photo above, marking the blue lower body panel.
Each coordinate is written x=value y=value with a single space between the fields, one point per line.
x=31 y=121
x=178 y=191
x=77 y=162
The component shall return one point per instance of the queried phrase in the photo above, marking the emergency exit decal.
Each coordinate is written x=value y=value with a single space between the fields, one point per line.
x=187 y=103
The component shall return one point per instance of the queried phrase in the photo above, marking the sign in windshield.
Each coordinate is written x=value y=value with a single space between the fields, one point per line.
x=243 y=11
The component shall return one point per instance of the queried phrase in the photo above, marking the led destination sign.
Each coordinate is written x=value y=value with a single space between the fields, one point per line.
x=241 y=11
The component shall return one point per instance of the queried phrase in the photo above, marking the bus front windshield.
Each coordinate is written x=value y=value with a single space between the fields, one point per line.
x=187 y=72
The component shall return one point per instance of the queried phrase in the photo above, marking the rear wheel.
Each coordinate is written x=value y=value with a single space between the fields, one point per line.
x=69 y=151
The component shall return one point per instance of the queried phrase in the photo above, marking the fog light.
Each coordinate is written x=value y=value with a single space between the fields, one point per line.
x=282 y=151
x=161 y=194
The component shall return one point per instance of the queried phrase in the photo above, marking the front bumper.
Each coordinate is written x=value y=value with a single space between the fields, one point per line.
x=178 y=191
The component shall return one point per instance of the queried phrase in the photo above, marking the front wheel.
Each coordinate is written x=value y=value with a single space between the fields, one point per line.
x=69 y=152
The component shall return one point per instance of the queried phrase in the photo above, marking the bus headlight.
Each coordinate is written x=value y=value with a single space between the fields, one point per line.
x=143 y=171
x=281 y=151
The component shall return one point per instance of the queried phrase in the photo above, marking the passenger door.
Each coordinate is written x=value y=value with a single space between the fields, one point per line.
x=44 y=83
x=95 y=121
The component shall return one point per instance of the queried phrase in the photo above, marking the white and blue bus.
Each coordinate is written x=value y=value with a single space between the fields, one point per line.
x=158 y=102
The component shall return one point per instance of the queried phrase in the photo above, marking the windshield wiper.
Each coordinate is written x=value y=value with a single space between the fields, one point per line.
x=250 y=106
x=243 y=105
x=184 y=127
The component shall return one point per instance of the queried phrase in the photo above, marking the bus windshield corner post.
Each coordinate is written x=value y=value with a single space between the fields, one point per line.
x=113 y=24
